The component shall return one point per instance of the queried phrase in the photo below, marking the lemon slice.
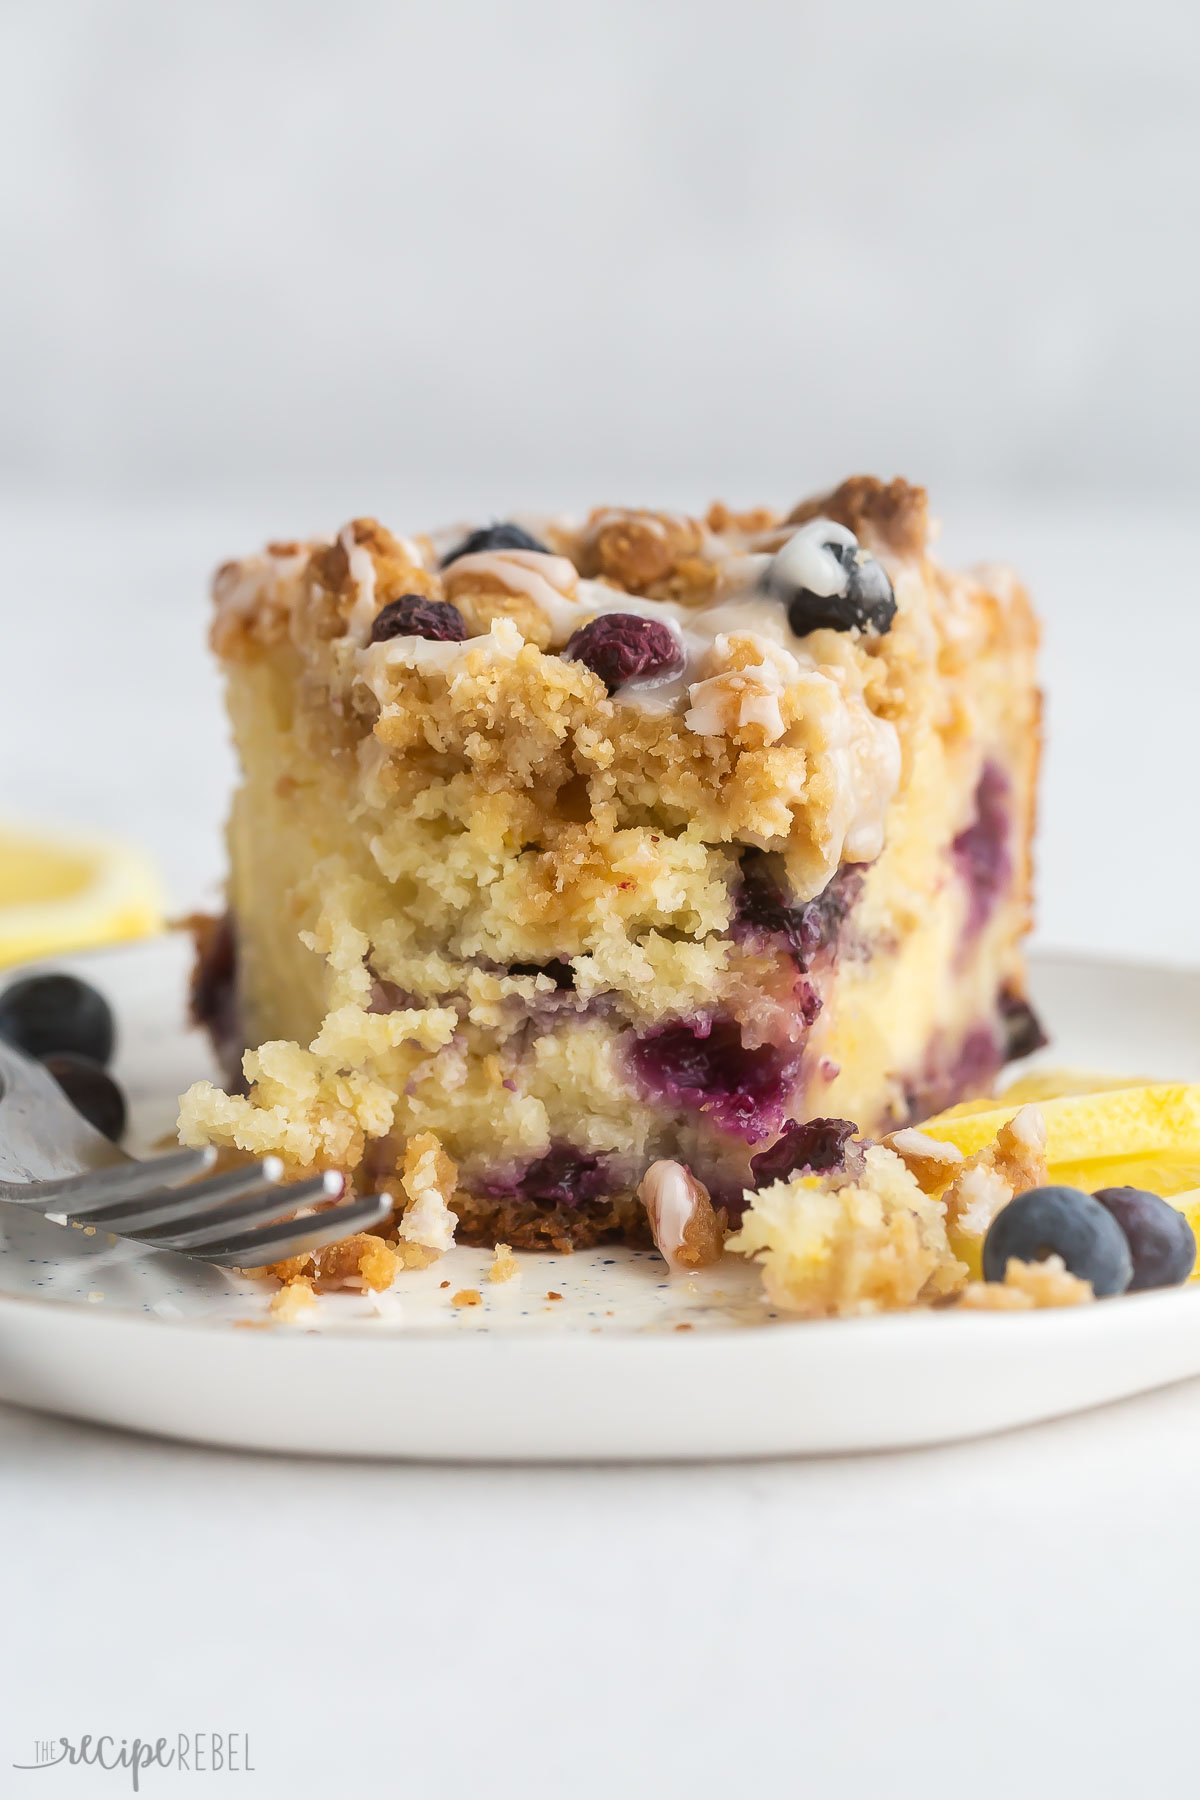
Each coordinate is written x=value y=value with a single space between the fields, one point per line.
x=1116 y=1124
x=60 y=894
x=1044 y=1084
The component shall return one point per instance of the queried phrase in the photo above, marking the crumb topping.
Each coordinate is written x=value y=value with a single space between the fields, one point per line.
x=428 y=1177
x=1027 y=1285
x=762 y=732
x=933 y=1162
x=1012 y=1164
x=364 y=1261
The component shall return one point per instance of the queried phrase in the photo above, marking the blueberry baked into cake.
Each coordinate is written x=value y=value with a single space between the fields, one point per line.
x=579 y=868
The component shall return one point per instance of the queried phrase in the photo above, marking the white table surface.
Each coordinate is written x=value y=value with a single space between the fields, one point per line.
x=1010 y=1616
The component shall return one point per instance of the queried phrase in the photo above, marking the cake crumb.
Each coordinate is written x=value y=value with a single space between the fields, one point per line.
x=552 y=1294
x=444 y=1284
x=876 y=1244
x=293 y=1300
x=364 y=1258
x=1012 y=1164
x=504 y=1264
x=684 y=1326
x=465 y=1296
x=415 y=1256
x=288 y=1269
x=1027 y=1285
x=429 y=1178
x=932 y=1162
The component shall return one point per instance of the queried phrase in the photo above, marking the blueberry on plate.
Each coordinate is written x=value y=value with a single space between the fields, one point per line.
x=91 y=1091
x=619 y=646
x=1060 y=1221
x=415 y=616
x=1161 y=1241
x=503 y=536
x=45 y=1015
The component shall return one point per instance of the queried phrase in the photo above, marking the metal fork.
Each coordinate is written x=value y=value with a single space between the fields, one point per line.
x=54 y=1162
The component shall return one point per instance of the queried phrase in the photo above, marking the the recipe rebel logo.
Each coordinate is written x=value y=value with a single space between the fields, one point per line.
x=187 y=1753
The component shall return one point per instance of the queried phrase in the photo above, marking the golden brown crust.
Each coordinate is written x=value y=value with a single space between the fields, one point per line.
x=703 y=1236
x=395 y=571
x=637 y=551
x=536 y=1225
x=752 y=521
x=891 y=516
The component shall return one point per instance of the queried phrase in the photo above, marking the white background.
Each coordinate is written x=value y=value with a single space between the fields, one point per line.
x=599 y=245
x=265 y=266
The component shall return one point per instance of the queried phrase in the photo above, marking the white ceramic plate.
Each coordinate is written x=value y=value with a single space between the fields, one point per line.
x=99 y=1330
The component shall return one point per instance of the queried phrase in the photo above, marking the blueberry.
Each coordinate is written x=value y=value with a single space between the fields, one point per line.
x=564 y=1176
x=619 y=646
x=214 y=1005
x=982 y=852
x=702 y=1065
x=1023 y=1033
x=809 y=927
x=1161 y=1241
x=91 y=1091
x=867 y=602
x=1060 y=1221
x=505 y=536
x=415 y=616
x=45 y=1014
x=814 y=1146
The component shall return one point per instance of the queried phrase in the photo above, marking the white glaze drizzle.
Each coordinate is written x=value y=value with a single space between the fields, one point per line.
x=241 y=587
x=412 y=551
x=362 y=573
x=806 y=560
x=378 y=663
x=867 y=761
x=543 y=578
x=669 y=1194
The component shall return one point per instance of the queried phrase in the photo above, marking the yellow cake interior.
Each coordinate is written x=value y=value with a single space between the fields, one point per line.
x=475 y=894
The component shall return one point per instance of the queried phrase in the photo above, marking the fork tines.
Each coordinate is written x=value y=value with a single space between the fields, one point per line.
x=244 y=1217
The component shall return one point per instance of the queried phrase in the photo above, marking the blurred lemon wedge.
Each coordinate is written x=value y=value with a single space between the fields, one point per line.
x=67 y=893
x=1046 y=1084
x=1153 y=1124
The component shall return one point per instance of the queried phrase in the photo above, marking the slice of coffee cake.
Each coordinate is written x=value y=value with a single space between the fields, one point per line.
x=565 y=848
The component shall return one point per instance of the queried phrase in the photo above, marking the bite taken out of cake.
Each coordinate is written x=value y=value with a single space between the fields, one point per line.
x=562 y=849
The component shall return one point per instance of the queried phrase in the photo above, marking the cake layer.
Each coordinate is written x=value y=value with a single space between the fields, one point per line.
x=583 y=846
